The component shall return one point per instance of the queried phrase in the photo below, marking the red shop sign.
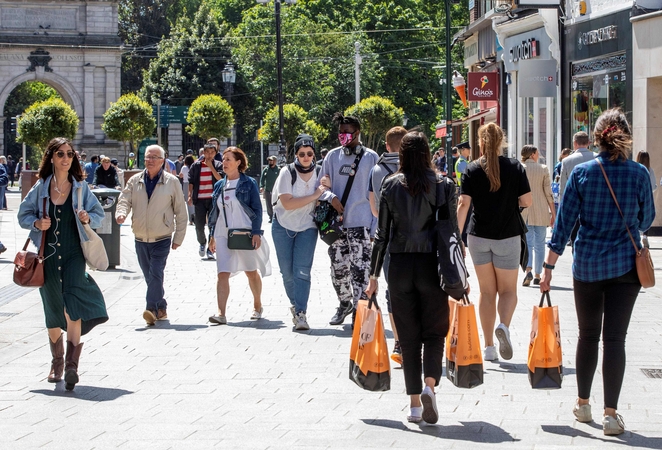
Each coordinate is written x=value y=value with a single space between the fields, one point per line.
x=483 y=86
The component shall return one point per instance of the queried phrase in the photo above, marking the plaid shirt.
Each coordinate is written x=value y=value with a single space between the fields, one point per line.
x=603 y=249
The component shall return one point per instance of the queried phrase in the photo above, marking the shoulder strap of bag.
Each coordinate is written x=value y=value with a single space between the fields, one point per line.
x=348 y=186
x=293 y=172
x=223 y=201
x=636 y=249
x=43 y=233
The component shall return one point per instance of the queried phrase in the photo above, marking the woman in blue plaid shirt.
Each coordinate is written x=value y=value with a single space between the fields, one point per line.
x=605 y=278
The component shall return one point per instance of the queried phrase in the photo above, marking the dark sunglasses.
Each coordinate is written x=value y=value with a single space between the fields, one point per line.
x=61 y=153
x=309 y=154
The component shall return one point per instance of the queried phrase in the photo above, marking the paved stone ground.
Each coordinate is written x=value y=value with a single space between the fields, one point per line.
x=258 y=385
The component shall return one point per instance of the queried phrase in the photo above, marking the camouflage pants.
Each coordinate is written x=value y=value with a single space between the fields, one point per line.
x=350 y=264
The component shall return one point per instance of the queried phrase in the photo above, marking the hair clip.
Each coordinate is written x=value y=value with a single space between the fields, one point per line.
x=607 y=130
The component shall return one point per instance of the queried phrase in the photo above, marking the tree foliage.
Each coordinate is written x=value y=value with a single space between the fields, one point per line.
x=377 y=116
x=189 y=61
x=44 y=121
x=295 y=122
x=210 y=116
x=128 y=120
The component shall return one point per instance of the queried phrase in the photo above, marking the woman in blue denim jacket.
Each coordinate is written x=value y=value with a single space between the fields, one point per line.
x=72 y=300
x=236 y=204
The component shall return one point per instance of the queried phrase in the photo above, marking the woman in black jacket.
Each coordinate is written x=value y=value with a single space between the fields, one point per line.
x=420 y=306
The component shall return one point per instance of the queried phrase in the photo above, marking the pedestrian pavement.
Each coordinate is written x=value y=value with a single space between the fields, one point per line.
x=186 y=384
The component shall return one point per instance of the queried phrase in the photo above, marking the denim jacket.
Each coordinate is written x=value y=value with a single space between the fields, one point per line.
x=249 y=197
x=31 y=208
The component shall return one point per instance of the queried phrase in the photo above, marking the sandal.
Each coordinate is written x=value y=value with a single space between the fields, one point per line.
x=257 y=314
x=415 y=414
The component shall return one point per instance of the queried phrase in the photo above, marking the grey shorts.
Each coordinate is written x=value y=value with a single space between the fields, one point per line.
x=502 y=253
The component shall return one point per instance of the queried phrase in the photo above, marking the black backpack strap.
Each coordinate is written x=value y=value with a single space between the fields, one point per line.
x=293 y=172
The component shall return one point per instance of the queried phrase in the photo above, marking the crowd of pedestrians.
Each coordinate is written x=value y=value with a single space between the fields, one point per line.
x=387 y=207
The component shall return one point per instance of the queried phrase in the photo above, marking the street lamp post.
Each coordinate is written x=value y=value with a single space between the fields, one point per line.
x=282 y=157
x=229 y=76
x=449 y=98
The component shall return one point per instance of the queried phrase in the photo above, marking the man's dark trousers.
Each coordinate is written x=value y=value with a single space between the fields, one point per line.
x=202 y=210
x=152 y=259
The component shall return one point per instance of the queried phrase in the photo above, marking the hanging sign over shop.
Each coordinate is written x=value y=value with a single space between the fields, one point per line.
x=537 y=78
x=483 y=86
x=526 y=50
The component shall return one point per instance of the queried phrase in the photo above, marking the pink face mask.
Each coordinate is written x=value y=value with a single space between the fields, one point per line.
x=345 y=138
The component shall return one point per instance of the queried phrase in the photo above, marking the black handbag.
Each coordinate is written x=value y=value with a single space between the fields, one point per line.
x=524 y=247
x=325 y=216
x=238 y=238
x=452 y=269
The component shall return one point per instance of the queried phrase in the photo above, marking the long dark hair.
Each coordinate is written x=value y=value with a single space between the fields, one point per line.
x=644 y=158
x=416 y=163
x=612 y=134
x=46 y=165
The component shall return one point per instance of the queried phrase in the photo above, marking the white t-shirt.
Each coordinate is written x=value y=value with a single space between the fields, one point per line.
x=184 y=173
x=299 y=219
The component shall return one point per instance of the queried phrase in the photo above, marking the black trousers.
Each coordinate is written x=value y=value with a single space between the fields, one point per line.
x=202 y=210
x=604 y=307
x=420 y=311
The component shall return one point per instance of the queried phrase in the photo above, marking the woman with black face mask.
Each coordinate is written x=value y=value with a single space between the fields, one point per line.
x=295 y=235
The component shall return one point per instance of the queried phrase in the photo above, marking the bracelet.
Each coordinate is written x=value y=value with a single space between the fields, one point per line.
x=373 y=277
x=548 y=266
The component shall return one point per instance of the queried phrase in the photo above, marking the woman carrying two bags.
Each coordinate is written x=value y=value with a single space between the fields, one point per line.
x=72 y=300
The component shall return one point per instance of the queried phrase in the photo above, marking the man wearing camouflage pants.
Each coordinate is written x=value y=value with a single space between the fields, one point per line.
x=350 y=254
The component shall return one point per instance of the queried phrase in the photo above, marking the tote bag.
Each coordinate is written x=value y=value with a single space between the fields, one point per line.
x=545 y=362
x=369 y=365
x=93 y=250
x=464 y=361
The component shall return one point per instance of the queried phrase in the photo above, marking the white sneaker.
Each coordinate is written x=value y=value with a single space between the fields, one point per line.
x=294 y=314
x=505 y=347
x=257 y=314
x=430 y=414
x=582 y=413
x=613 y=426
x=415 y=413
x=490 y=353
x=300 y=322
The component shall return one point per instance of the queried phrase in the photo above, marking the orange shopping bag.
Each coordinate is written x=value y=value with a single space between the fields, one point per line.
x=545 y=355
x=369 y=365
x=464 y=362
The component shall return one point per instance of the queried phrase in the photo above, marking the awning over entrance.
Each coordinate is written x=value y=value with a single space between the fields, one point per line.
x=441 y=128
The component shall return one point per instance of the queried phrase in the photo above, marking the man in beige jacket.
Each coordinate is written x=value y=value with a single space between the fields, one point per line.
x=159 y=210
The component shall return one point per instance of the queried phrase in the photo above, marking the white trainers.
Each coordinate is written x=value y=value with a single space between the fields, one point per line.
x=613 y=426
x=218 y=319
x=582 y=413
x=294 y=313
x=300 y=322
x=430 y=414
x=415 y=413
x=490 y=353
x=257 y=314
x=505 y=347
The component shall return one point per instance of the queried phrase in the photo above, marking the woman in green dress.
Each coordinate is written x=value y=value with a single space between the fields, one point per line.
x=72 y=300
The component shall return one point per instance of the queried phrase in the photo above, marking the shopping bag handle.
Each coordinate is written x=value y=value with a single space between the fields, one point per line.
x=373 y=301
x=465 y=299
x=545 y=295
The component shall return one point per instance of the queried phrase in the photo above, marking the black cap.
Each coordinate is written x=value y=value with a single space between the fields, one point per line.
x=462 y=145
x=189 y=152
x=304 y=140
x=114 y=161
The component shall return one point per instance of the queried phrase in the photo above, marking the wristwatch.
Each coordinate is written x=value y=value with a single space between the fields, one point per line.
x=548 y=266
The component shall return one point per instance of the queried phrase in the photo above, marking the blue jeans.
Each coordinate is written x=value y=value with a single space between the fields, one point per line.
x=152 y=258
x=535 y=240
x=3 y=198
x=295 y=252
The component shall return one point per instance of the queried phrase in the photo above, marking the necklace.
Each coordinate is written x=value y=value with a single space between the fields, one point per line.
x=61 y=190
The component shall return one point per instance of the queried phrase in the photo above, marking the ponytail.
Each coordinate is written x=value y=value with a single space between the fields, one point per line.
x=490 y=137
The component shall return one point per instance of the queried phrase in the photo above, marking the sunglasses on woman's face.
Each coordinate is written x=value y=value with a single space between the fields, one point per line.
x=61 y=153
x=303 y=155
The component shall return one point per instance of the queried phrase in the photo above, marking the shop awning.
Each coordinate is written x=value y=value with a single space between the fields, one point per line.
x=441 y=128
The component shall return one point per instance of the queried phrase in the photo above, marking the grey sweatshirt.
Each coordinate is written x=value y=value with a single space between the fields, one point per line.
x=337 y=166
x=379 y=173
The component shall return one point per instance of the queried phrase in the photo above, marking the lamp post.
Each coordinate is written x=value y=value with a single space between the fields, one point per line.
x=229 y=76
x=449 y=98
x=282 y=158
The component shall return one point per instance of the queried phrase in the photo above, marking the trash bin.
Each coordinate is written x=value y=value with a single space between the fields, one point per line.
x=109 y=230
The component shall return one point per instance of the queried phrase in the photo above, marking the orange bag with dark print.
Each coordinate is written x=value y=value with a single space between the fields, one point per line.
x=369 y=365
x=545 y=354
x=464 y=361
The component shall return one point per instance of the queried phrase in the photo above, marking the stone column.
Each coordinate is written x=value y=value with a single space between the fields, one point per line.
x=111 y=85
x=88 y=105
x=3 y=150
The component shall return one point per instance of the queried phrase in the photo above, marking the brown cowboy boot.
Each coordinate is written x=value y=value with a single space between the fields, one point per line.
x=71 y=364
x=57 y=363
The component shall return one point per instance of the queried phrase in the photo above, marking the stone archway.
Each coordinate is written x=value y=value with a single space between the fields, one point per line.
x=71 y=46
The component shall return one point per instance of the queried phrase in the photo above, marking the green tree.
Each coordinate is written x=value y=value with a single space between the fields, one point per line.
x=295 y=122
x=210 y=116
x=44 y=121
x=189 y=61
x=128 y=120
x=317 y=131
x=377 y=115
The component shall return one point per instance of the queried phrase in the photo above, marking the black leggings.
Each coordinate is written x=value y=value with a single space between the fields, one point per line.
x=420 y=311
x=604 y=306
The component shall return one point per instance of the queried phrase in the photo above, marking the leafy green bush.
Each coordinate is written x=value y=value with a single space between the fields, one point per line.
x=295 y=122
x=43 y=121
x=377 y=116
x=128 y=120
x=210 y=116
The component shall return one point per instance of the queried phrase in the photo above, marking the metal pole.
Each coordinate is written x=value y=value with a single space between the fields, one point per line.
x=25 y=157
x=261 y=150
x=449 y=98
x=282 y=156
x=357 y=71
x=158 y=122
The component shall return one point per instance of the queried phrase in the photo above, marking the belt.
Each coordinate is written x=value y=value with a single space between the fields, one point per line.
x=161 y=238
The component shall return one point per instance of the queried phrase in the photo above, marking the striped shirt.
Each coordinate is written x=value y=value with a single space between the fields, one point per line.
x=206 y=182
x=603 y=249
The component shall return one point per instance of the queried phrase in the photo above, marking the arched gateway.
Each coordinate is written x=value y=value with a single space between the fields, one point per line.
x=72 y=46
